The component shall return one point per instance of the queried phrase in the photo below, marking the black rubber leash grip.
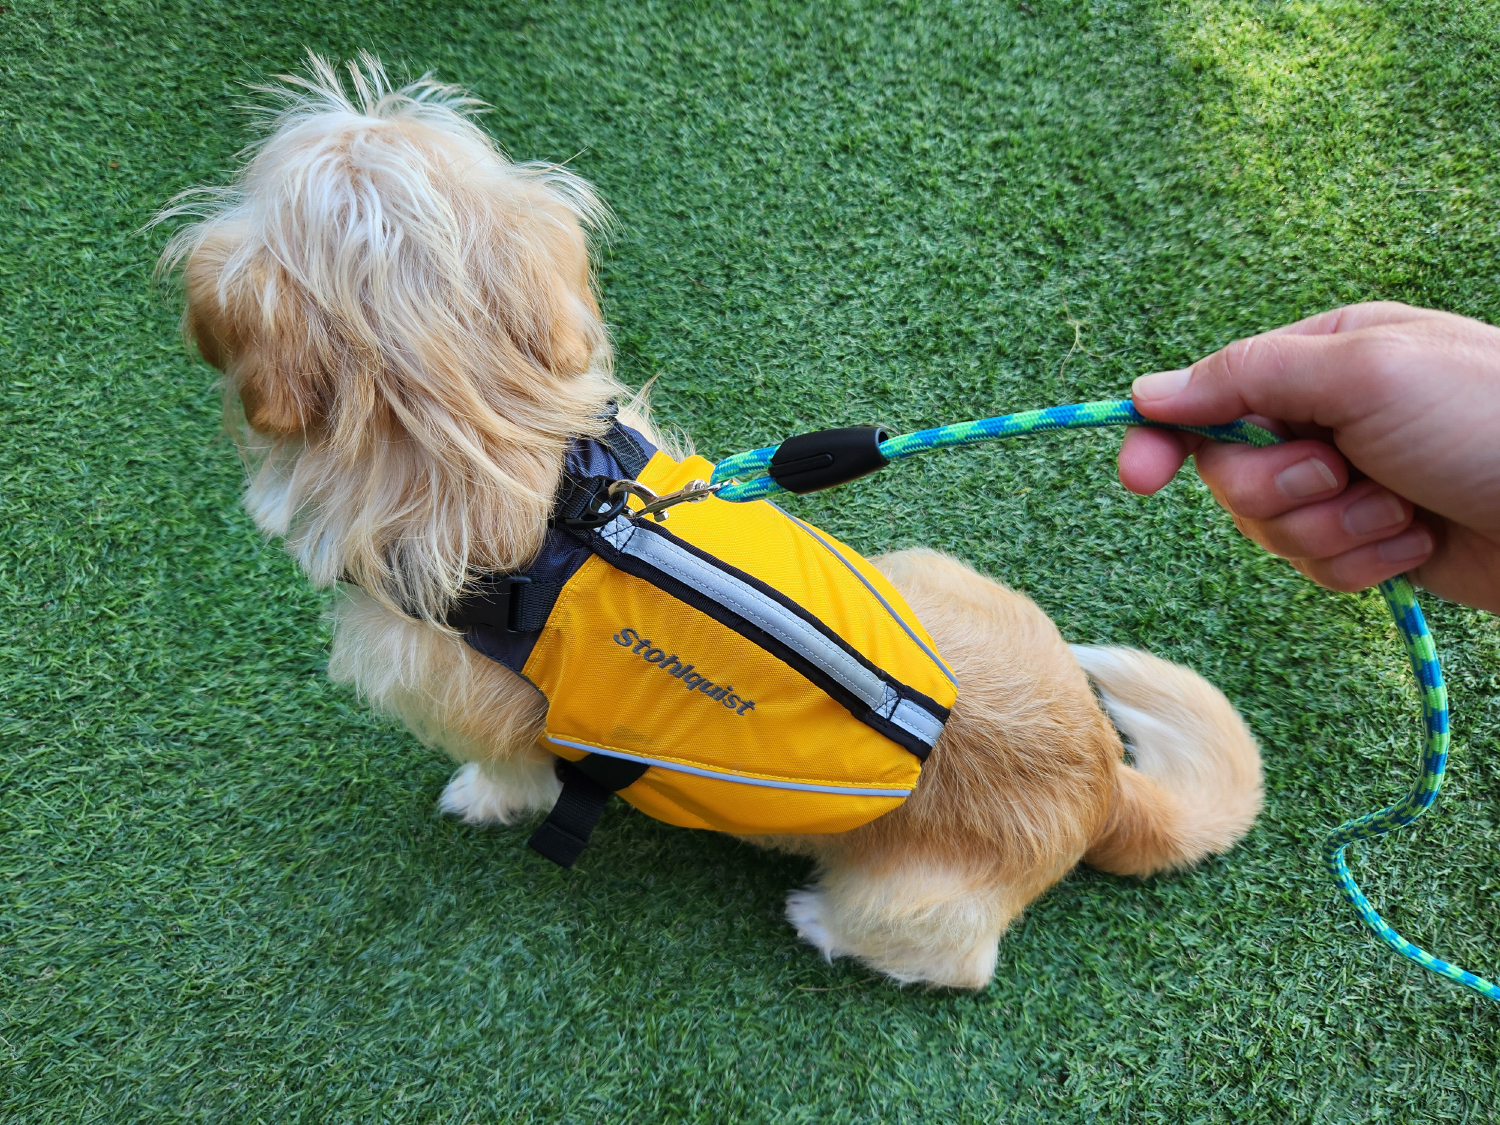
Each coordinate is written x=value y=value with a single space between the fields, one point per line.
x=812 y=462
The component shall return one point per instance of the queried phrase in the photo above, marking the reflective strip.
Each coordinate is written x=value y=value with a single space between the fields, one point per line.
x=738 y=779
x=766 y=613
x=617 y=532
x=917 y=720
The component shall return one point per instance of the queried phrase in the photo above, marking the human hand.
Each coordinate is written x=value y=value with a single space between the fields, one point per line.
x=1393 y=462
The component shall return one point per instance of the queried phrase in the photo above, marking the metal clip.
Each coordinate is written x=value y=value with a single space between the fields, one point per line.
x=656 y=506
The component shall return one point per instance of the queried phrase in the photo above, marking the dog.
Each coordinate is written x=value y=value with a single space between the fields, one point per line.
x=409 y=335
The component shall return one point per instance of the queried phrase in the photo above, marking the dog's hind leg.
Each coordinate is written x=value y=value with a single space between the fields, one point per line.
x=1009 y=798
x=918 y=920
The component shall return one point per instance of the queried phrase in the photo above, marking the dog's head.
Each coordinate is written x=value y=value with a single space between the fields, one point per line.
x=408 y=321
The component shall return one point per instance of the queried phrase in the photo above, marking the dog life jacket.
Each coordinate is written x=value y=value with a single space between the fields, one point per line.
x=733 y=669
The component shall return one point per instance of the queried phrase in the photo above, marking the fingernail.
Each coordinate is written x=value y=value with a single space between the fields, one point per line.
x=1411 y=545
x=1373 y=513
x=1305 y=478
x=1164 y=384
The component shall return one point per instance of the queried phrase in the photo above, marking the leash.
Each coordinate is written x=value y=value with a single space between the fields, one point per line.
x=811 y=462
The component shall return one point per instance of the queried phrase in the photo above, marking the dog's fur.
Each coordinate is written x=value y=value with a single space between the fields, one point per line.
x=409 y=337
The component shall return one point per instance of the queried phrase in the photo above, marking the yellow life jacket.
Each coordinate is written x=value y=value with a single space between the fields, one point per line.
x=733 y=669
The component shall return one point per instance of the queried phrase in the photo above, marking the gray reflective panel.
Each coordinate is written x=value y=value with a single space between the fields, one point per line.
x=878 y=596
x=775 y=619
x=745 y=600
x=737 y=778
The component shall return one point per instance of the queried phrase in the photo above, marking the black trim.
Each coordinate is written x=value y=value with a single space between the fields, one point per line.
x=506 y=633
x=725 y=616
x=581 y=501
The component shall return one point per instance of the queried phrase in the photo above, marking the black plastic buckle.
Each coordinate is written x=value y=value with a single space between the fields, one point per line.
x=589 y=505
x=493 y=603
x=810 y=462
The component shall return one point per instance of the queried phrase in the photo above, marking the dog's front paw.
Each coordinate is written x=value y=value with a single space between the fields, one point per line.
x=500 y=794
x=805 y=910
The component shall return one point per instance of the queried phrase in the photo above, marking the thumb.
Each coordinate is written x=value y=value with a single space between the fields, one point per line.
x=1313 y=371
x=1280 y=377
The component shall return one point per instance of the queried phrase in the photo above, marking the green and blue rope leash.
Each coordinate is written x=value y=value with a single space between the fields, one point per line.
x=1398 y=593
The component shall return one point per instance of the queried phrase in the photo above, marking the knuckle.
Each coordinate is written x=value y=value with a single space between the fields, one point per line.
x=1240 y=480
x=1252 y=355
x=1378 y=360
x=1234 y=358
x=1379 y=308
x=1307 y=569
x=1296 y=536
x=1244 y=508
x=1265 y=535
x=1216 y=489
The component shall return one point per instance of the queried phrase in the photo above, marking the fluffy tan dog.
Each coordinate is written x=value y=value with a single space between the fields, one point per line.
x=407 y=320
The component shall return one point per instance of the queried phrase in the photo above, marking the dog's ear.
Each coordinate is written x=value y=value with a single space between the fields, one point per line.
x=283 y=388
x=570 y=331
x=206 y=322
x=547 y=306
x=264 y=348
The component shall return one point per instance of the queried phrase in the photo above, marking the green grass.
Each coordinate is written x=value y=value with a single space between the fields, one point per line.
x=227 y=895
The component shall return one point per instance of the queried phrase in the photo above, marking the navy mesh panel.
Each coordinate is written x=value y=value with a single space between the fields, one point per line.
x=562 y=554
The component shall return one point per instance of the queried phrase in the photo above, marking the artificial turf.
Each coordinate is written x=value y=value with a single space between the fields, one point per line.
x=227 y=894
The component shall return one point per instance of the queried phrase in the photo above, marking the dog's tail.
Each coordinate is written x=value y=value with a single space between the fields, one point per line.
x=1195 y=788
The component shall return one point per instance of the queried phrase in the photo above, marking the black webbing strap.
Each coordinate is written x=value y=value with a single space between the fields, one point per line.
x=521 y=603
x=530 y=613
x=627 y=452
x=587 y=784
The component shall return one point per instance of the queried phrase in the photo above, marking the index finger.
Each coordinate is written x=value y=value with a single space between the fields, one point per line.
x=1149 y=458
